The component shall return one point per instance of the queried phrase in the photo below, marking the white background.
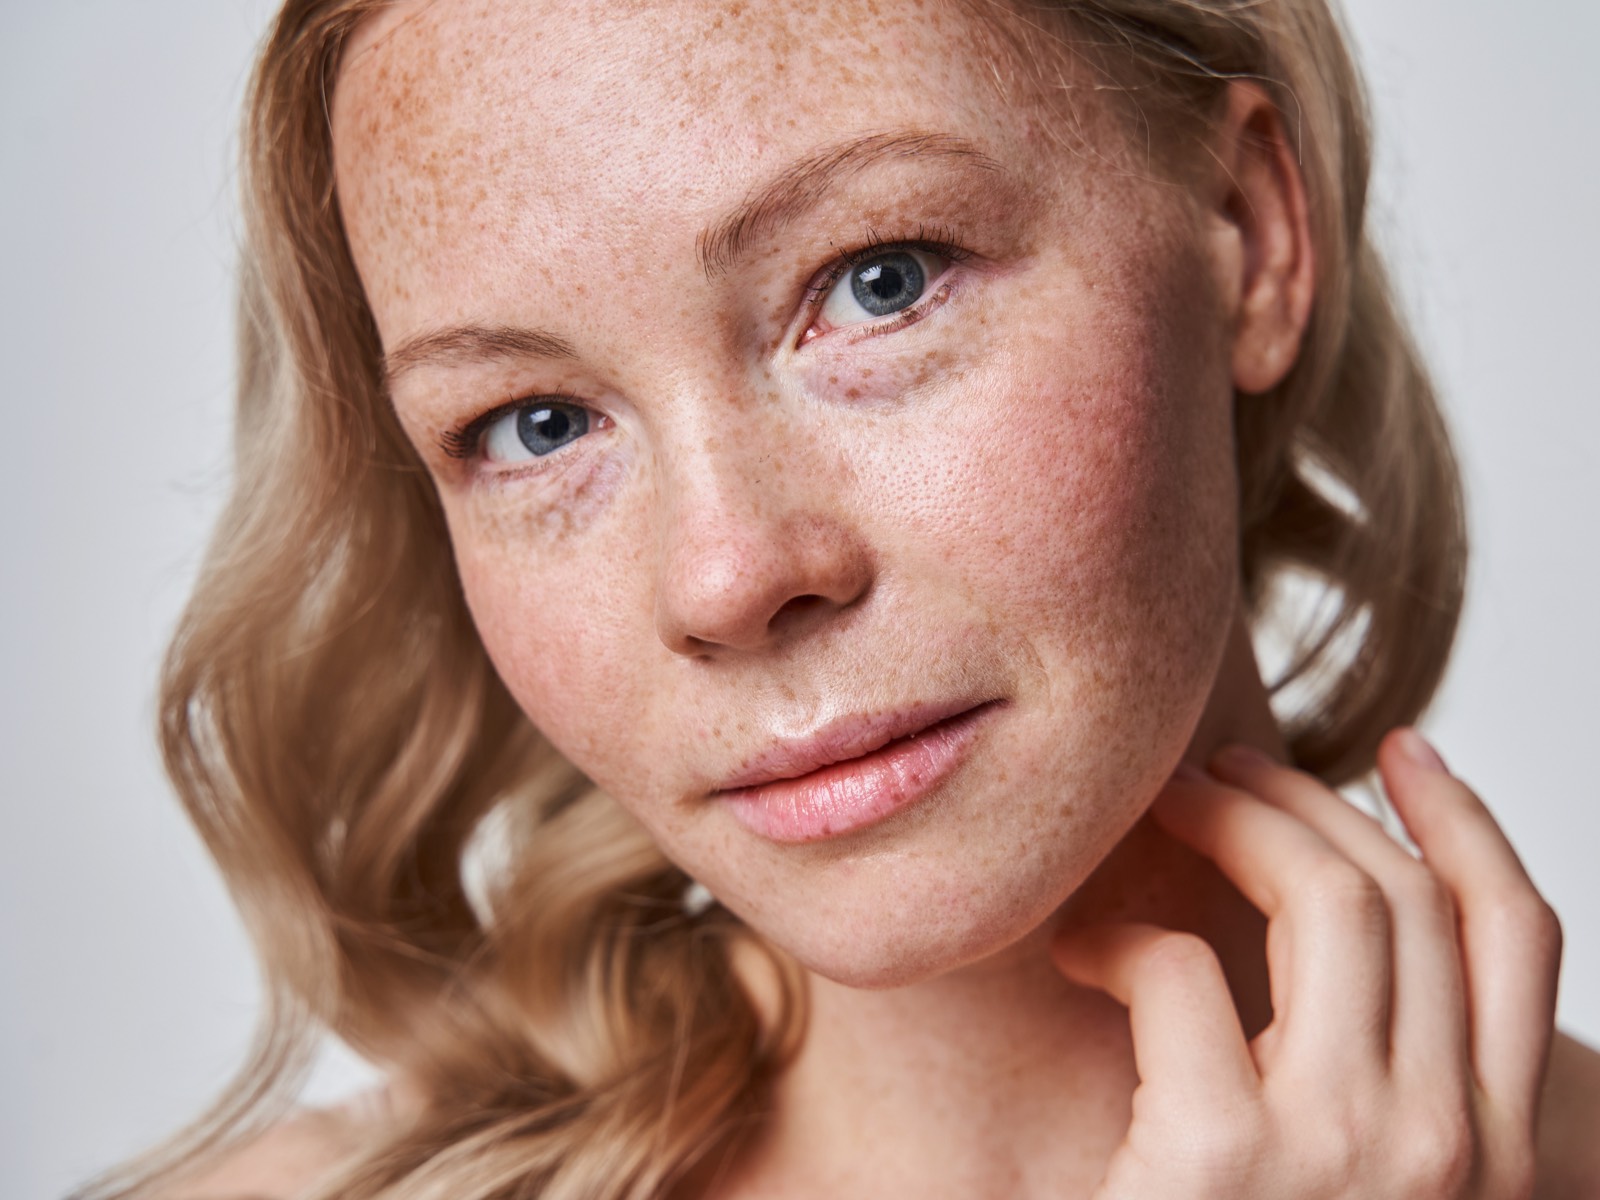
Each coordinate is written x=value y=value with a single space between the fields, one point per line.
x=126 y=991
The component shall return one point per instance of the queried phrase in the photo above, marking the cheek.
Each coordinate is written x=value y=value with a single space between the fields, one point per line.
x=548 y=600
x=1082 y=482
x=1078 y=493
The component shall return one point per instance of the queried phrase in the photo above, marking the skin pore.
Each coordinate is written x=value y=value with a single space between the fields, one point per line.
x=769 y=511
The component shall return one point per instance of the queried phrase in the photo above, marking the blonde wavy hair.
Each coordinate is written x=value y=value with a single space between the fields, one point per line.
x=333 y=726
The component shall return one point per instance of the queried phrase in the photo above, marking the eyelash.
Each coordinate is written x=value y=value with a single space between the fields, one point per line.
x=466 y=441
x=936 y=240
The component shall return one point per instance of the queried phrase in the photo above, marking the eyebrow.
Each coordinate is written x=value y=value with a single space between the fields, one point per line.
x=462 y=344
x=803 y=184
x=764 y=211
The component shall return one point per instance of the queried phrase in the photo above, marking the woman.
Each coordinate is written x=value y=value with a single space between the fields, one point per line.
x=865 y=436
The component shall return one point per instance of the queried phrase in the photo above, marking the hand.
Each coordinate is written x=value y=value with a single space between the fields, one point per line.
x=1413 y=1001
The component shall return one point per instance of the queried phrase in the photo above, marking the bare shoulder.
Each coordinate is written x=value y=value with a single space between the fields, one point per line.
x=1569 y=1122
x=290 y=1159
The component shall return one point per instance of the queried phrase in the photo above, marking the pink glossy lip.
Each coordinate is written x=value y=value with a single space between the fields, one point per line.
x=852 y=773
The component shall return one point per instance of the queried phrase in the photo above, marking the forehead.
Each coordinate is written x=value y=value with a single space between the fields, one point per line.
x=474 y=131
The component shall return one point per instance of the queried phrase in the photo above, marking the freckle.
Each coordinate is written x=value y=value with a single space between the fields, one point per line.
x=853 y=394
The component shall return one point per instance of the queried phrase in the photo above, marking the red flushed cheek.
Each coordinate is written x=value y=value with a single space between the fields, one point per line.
x=1084 y=493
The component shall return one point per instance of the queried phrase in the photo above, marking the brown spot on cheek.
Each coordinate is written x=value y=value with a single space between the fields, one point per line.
x=499 y=521
x=538 y=512
x=901 y=380
x=930 y=367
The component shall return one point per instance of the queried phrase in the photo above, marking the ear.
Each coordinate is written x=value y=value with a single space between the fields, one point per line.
x=1260 y=238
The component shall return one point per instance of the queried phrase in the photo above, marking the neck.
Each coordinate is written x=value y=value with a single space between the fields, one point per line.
x=1021 y=1081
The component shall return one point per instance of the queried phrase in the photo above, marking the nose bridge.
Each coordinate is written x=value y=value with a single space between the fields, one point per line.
x=755 y=541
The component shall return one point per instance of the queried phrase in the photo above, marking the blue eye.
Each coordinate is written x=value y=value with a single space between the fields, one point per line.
x=534 y=430
x=880 y=286
x=888 y=283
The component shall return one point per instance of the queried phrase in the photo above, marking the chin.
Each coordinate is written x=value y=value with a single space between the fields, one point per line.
x=902 y=943
x=958 y=888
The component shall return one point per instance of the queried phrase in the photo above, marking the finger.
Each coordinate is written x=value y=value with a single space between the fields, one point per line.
x=1328 y=947
x=1510 y=938
x=1428 y=1031
x=1186 y=1032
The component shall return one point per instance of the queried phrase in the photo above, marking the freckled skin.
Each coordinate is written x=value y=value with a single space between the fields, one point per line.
x=1026 y=495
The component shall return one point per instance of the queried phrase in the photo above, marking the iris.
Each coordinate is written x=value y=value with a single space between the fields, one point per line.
x=546 y=427
x=887 y=283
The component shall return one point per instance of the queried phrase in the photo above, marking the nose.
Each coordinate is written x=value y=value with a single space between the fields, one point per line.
x=744 y=565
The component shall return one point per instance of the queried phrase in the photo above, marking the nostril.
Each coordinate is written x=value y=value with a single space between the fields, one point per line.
x=797 y=606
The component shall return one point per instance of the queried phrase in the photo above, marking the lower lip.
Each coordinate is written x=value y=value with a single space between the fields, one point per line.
x=859 y=792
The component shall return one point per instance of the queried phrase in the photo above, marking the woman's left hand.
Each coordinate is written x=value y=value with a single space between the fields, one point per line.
x=1413 y=999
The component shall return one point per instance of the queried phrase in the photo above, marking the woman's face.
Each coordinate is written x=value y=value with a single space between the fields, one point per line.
x=856 y=401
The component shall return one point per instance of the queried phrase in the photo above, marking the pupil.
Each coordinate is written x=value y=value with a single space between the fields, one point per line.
x=887 y=283
x=549 y=427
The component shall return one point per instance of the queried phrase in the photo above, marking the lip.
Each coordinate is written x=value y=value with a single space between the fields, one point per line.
x=852 y=773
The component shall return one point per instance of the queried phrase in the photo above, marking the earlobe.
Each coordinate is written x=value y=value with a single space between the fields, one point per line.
x=1267 y=270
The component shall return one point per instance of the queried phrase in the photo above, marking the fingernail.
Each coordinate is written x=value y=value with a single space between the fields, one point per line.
x=1244 y=757
x=1420 y=751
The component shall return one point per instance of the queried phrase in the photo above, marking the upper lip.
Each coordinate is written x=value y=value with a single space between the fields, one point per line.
x=841 y=740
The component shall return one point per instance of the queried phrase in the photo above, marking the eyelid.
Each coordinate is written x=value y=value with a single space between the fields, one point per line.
x=465 y=441
x=937 y=241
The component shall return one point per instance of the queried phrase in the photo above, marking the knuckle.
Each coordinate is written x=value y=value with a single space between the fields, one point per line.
x=1340 y=886
x=1541 y=924
x=1420 y=890
x=1175 y=953
x=1225 y=1147
x=1343 y=1138
x=1441 y=1154
x=1526 y=917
